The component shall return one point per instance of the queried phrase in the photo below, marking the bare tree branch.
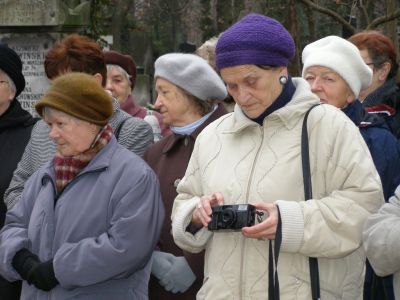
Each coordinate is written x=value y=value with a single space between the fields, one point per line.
x=330 y=13
x=384 y=19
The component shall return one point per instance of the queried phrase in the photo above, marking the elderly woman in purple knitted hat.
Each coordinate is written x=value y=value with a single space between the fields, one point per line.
x=245 y=190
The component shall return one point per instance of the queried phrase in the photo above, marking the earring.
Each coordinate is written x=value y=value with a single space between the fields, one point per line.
x=283 y=80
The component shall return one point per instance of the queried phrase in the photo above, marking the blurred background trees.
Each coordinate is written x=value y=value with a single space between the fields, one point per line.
x=149 y=28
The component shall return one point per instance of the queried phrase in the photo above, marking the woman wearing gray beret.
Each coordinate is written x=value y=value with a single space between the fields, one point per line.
x=188 y=96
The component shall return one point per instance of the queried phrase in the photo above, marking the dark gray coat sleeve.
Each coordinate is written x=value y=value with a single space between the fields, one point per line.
x=136 y=135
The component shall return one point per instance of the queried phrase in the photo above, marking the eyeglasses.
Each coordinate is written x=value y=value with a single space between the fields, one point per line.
x=4 y=81
x=370 y=64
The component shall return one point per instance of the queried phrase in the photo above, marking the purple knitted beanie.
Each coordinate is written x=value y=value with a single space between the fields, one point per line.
x=255 y=40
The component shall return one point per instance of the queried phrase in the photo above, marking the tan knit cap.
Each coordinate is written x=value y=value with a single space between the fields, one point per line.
x=79 y=95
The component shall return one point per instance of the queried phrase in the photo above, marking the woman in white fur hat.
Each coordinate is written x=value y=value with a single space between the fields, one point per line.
x=336 y=72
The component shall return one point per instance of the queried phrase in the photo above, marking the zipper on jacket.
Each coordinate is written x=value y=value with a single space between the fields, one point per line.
x=58 y=195
x=247 y=199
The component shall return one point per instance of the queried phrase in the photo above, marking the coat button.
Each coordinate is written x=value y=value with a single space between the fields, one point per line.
x=176 y=182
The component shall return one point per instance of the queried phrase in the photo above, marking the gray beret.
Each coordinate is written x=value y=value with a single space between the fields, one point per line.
x=191 y=73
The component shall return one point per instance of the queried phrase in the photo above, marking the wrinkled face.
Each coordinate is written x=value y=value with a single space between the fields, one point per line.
x=174 y=105
x=379 y=74
x=118 y=84
x=71 y=135
x=329 y=86
x=253 y=88
x=6 y=93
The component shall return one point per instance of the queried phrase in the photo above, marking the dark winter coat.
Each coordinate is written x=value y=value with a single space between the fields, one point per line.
x=15 y=130
x=385 y=102
x=385 y=152
x=169 y=159
x=382 y=144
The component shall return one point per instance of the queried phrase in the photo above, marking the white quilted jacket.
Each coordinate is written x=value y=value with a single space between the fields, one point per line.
x=249 y=163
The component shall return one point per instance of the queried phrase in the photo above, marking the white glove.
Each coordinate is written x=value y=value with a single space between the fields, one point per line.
x=180 y=276
x=161 y=263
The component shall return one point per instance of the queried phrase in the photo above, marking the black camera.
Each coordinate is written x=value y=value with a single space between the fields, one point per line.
x=232 y=217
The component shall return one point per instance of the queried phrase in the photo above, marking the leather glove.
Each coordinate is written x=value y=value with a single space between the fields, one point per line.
x=161 y=263
x=180 y=276
x=23 y=262
x=42 y=276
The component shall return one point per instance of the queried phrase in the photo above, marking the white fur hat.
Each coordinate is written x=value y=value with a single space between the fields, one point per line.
x=341 y=56
x=191 y=73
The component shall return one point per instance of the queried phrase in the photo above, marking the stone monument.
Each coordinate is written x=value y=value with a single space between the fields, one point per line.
x=31 y=27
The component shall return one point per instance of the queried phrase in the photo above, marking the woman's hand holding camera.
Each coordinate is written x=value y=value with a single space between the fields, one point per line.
x=202 y=213
x=267 y=228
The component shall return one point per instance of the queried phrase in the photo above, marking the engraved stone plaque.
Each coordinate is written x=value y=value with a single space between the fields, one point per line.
x=29 y=13
x=32 y=49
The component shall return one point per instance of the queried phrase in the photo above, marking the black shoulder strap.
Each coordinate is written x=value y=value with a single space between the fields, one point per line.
x=118 y=129
x=305 y=158
x=273 y=280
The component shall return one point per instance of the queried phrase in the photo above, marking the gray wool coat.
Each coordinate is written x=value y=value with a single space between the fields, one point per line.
x=100 y=230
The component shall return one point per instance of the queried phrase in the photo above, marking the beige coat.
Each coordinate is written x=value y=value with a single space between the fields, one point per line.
x=248 y=163
x=382 y=240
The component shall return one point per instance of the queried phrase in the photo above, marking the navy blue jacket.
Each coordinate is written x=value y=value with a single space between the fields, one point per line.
x=385 y=151
x=382 y=144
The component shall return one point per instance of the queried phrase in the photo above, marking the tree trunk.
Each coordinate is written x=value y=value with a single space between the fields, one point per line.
x=294 y=30
x=117 y=25
x=391 y=27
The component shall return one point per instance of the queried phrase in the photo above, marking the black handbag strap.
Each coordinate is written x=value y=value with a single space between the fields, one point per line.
x=305 y=159
x=118 y=129
x=273 y=280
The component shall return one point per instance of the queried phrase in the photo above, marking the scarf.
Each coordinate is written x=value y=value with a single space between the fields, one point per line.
x=283 y=99
x=188 y=129
x=67 y=168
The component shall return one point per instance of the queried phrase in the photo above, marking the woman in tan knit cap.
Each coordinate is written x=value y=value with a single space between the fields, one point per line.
x=76 y=232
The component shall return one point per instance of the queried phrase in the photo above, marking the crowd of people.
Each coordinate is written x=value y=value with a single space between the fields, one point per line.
x=290 y=193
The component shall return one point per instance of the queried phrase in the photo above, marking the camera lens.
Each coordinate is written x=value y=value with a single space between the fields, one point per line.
x=228 y=217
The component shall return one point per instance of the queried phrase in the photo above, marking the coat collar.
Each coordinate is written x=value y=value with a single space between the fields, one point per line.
x=100 y=161
x=289 y=115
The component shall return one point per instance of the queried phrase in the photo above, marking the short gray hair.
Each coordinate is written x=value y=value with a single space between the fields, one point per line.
x=122 y=71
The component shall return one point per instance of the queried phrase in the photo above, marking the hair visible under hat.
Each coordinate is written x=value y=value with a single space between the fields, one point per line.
x=342 y=57
x=255 y=40
x=79 y=95
x=125 y=61
x=11 y=64
x=191 y=73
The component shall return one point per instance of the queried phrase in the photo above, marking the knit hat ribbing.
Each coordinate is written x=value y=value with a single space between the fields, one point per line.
x=255 y=40
x=341 y=56
x=191 y=73
x=125 y=61
x=11 y=64
x=78 y=95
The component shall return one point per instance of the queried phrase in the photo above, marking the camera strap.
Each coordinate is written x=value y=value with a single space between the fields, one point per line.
x=273 y=281
x=305 y=158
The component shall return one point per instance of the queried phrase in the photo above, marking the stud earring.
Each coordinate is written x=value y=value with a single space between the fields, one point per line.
x=283 y=80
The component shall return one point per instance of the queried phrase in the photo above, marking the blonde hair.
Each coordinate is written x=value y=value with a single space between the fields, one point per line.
x=207 y=51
